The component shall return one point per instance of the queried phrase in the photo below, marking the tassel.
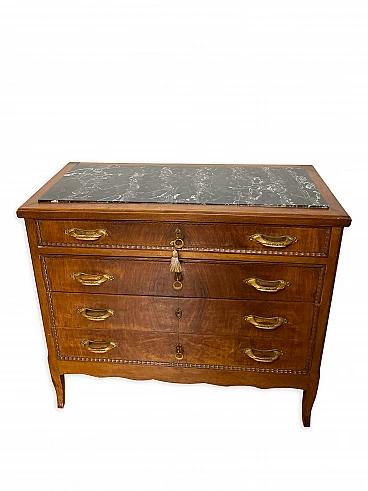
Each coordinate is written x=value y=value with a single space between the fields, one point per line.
x=175 y=266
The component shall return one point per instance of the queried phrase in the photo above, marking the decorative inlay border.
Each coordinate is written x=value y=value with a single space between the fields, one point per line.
x=182 y=365
x=38 y=231
x=317 y=297
x=312 y=337
x=51 y=305
x=169 y=248
x=327 y=241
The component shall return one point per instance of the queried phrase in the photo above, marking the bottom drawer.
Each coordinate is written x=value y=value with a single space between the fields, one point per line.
x=126 y=344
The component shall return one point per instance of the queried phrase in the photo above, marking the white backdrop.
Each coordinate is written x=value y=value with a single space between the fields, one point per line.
x=266 y=82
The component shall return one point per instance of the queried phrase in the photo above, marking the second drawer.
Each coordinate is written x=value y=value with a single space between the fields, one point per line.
x=201 y=278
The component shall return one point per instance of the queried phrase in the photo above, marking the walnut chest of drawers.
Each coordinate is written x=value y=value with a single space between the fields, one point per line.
x=217 y=274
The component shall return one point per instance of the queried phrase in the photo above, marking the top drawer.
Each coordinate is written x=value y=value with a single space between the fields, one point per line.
x=211 y=237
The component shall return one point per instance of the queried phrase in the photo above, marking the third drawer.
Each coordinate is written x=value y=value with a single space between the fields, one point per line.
x=285 y=320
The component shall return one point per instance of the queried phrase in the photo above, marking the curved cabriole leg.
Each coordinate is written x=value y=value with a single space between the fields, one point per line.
x=59 y=384
x=309 y=396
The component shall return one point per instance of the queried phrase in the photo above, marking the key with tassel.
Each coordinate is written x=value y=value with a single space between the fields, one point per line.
x=175 y=266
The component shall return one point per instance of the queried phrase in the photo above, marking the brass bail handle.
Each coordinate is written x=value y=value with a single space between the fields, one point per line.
x=265 y=322
x=95 y=314
x=263 y=356
x=270 y=286
x=98 y=346
x=92 y=279
x=82 y=234
x=273 y=241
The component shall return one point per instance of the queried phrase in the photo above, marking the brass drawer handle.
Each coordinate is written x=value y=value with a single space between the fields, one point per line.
x=273 y=241
x=98 y=346
x=263 y=356
x=267 y=285
x=265 y=322
x=95 y=314
x=92 y=279
x=81 y=234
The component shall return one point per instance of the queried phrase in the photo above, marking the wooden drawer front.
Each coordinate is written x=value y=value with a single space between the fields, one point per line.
x=228 y=318
x=122 y=233
x=227 y=351
x=146 y=313
x=219 y=279
x=283 y=320
x=131 y=345
x=130 y=277
x=248 y=238
x=157 y=347
x=229 y=280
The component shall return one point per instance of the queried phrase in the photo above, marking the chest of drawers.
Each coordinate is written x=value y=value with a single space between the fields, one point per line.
x=215 y=274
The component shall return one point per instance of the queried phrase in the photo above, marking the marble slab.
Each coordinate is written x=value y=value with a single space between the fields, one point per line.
x=279 y=186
